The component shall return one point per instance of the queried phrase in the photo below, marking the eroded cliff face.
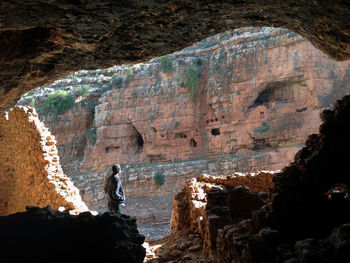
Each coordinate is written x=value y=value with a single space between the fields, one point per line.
x=304 y=217
x=29 y=166
x=44 y=40
x=260 y=92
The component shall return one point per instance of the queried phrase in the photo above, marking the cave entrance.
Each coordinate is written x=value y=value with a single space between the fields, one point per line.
x=215 y=131
x=279 y=92
x=139 y=140
x=193 y=143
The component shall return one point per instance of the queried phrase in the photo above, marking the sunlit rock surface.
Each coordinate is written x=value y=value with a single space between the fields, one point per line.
x=30 y=172
x=260 y=92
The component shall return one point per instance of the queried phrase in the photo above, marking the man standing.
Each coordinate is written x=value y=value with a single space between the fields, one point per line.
x=114 y=190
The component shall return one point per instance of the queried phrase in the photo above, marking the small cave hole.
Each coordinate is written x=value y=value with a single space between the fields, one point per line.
x=215 y=131
x=193 y=143
x=139 y=141
x=111 y=149
x=180 y=135
x=262 y=114
x=216 y=119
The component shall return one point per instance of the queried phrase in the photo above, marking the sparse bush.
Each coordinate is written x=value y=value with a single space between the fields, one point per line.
x=165 y=64
x=130 y=74
x=32 y=103
x=159 y=179
x=264 y=128
x=82 y=90
x=91 y=136
x=190 y=77
x=116 y=80
x=177 y=123
x=57 y=103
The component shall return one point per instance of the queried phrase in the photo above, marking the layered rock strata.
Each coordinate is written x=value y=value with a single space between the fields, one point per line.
x=30 y=172
x=44 y=235
x=42 y=41
x=304 y=218
x=260 y=91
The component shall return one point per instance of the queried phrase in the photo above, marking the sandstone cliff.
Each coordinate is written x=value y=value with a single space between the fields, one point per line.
x=259 y=95
x=303 y=215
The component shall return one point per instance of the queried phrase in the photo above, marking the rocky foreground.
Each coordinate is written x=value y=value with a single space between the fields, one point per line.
x=302 y=216
x=45 y=235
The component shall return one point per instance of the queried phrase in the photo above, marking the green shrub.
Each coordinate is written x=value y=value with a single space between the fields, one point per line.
x=82 y=90
x=91 y=136
x=264 y=128
x=159 y=179
x=177 y=123
x=32 y=103
x=57 y=103
x=190 y=77
x=116 y=80
x=130 y=74
x=165 y=64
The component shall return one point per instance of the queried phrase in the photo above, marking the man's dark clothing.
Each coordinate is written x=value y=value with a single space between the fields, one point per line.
x=115 y=193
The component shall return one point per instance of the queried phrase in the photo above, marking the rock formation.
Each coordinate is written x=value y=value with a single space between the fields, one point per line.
x=45 y=235
x=260 y=91
x=30 y=173
x=209 y=204
x=304 y=217
x=42 y=41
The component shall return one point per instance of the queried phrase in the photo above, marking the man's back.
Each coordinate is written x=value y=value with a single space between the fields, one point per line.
x=114 y=189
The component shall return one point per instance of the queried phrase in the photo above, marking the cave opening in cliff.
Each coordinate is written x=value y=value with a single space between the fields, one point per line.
x=193 y=143
x=139 y=140
x=276 y=91
x=232 y=79
x=215 y=131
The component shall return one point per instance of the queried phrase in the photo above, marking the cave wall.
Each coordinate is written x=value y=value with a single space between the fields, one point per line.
x=30 y=173
x=42 y=41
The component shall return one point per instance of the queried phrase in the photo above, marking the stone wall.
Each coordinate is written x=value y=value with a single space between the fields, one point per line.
x=30 y=173
x=208 y=204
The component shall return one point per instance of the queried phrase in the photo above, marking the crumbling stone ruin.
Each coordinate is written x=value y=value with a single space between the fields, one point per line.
x=30 y=172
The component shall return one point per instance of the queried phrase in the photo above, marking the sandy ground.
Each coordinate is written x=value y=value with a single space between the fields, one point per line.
x=153 y=215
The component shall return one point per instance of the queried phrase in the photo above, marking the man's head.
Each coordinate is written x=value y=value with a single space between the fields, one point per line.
x=116 y=168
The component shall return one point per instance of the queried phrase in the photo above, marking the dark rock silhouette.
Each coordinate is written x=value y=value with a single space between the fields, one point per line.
x=43 y=235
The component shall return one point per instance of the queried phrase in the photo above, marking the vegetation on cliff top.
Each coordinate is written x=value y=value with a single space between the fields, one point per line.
x=165 y=64
x=57 y=103
x=190 y=77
